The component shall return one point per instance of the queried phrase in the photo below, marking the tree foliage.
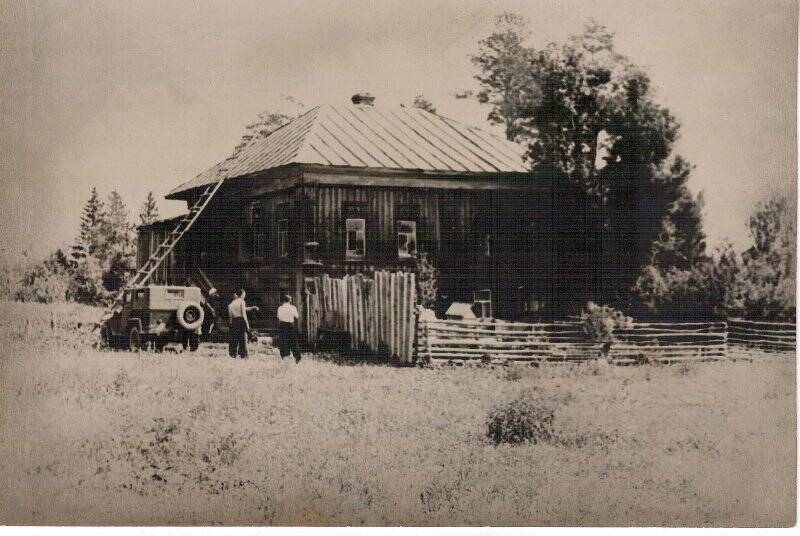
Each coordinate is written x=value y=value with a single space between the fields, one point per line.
x=504 y=74
x=90 y=237
x=768 y=267
x=424 y=104
x=269 y=121
x=427 y=281
x=593 y=127
x=149 y=211
x=759 y=283
x=102 y=259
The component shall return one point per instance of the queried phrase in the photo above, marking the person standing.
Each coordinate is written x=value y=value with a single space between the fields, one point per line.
x=239 y=325
x=287 y=328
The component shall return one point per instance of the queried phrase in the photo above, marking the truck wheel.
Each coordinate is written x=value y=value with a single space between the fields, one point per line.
x=134 y=339
x=190 y=315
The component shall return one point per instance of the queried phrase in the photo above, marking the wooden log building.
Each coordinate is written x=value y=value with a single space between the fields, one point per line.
x=355 y=188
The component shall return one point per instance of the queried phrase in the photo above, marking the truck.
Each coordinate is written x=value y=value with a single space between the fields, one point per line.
x=156 y=314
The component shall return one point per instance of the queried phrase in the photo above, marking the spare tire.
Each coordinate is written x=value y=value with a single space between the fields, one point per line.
x=190 y=315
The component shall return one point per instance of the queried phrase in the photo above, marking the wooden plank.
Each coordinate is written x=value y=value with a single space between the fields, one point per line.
x=656 y=331
x=412 y=317
x=357 y=284
x=519 y=324
x=760 y=322
x=376 y=296
x=408 y=320
x=434 y=327
x=758 y=331
x=739 y=338
x=677 y=324
x=400 y=312
x=401 y=315
x=390 y=312
x=392 y=325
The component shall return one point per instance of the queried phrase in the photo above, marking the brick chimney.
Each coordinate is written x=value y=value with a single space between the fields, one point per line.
x=363 y=98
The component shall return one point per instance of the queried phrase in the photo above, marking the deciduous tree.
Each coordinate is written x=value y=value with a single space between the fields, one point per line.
x=593 y=127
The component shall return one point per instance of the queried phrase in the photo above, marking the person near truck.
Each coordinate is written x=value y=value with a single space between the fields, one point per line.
x=287 y=329
x=239 y=325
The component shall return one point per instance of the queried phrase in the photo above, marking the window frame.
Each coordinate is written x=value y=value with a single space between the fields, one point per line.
x=413 y=233
x=174 y=294
x=283 y=238
x=351 y=254
x=258 y=230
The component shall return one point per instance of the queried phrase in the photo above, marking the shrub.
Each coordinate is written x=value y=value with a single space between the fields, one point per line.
x=521 y=421
x=427 y=281
x=600 y=321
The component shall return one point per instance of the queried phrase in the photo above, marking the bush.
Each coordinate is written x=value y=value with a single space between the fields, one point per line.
x=521 y=421
x=427 y=281
x=600 y=321
x=43 y=282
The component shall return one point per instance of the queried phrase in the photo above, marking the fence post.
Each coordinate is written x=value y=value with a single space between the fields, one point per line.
x=428 y=356
x=725 y=337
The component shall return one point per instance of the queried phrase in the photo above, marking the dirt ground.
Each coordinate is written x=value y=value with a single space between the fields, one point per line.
x=115 y=438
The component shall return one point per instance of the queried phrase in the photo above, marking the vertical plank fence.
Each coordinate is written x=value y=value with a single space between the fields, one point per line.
x=377 y=313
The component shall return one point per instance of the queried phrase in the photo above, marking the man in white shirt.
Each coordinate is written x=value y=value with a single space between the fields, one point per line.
x=287 y=329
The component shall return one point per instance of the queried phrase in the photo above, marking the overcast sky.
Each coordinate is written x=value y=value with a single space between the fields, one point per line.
x=139 y=96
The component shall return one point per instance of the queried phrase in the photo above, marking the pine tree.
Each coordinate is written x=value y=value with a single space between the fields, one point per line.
x=119 y=231
x=90 y=235
x=117 y=257
x=149 y=211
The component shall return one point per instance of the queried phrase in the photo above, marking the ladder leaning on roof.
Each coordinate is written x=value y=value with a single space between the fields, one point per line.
x=146 y=271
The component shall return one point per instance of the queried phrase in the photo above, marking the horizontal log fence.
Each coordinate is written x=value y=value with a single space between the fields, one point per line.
x=567 y=341
x=757 y=337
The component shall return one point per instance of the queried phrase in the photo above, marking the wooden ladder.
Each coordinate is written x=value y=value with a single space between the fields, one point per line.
x=146 y=271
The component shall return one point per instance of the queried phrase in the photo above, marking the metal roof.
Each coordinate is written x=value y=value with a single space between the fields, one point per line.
x=371 y=137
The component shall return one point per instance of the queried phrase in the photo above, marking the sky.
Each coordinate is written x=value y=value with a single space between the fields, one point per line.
x=141 y=96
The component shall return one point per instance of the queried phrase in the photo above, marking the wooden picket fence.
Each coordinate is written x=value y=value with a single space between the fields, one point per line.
x=378 y=313
x=566 y=341
x=757 y=338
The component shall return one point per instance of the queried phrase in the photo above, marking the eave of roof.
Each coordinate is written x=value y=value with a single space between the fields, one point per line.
x=160 y=222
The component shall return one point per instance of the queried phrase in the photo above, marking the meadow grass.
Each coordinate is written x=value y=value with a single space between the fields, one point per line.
x=96 y=437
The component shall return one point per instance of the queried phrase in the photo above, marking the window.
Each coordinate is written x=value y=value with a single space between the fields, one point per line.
x=406 y=239
x=141 y=295
x=173 y=294
x=486 y=245
x=283 y=238
x=356 y=238
x=259 y=237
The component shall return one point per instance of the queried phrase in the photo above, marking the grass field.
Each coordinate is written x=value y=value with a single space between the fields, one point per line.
x=93 y=437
